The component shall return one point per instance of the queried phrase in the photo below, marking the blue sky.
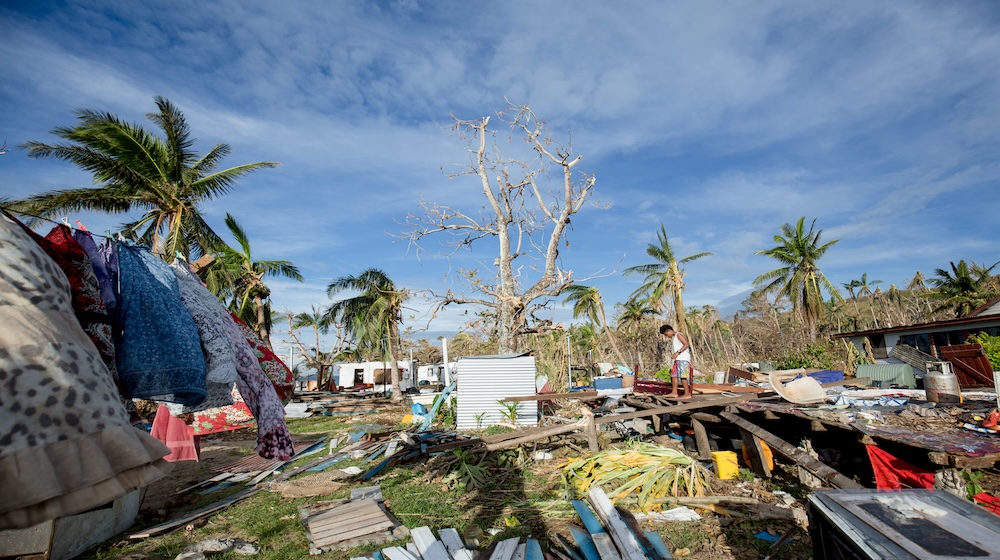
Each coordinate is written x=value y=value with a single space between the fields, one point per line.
x=720 y=121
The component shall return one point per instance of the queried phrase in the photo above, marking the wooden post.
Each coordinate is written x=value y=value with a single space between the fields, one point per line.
x=755 y=451
x=701 y=438
x=590 y=425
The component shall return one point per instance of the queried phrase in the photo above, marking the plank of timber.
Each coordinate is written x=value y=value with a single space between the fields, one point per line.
x=398 y=553
x=585 y=395
x=565 y=548
x=429 y=547
x=457 y=444
x=549 y=431
x=728 y=387
x=520 y=551
x=693 y=405
x=661 y=547
x=195 y=515
x=633 y=526
x=453 y=544
x=736 y=372
x=606 y=547
x=325 y=540
x=585 y=542
x=755 y=452
x=587 y=516
x=623 y=537
x=333 y=525
x=815 y=466
x=505 y=549
x=849 y=381
x=533 y=550
x=963 y=462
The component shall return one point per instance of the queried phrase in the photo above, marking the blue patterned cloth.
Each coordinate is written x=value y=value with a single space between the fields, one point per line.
x=159 y=352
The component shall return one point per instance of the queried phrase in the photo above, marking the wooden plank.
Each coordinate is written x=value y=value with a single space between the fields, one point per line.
x=453 y=544
x=588 y=518
x=429 y=547
x=326 y=539
x=568 y=550
x=585 y=542
x=633 y=526
x=627 y=542
x=737 y=372
x=864 y=381
x=755 y=452
x=585 y=395
x=606 y=547
x=370 y=523
x=674 y=409
x=451 y=539
x=505 y=549
x=658 y=545
x=533 y=550
x=397 y=553
x=519 y=552
x=815 y=466
x=549 y=431
x=195 y=515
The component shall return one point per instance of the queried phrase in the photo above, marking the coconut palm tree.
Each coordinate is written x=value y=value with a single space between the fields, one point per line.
x=664 y=279
x=963 y=289
x=800 y=279
x=238 y=279
x=633 y=314
x=373 y=316
x=587 y=301
x=137 y=170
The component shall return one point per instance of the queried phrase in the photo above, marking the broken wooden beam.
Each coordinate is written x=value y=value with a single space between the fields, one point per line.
x=535 y=435
x=673 y=409
x=801 y=458
x=584 y=395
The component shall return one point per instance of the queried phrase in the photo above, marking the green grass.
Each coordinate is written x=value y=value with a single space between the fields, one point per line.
x=520 y=498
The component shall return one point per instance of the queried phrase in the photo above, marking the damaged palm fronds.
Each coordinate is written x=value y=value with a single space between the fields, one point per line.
x=644 y=471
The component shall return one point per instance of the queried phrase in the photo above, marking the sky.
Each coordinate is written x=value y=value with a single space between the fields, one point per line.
x=720 y=121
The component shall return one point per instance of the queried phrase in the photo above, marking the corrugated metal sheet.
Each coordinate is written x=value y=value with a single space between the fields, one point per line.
x=483 y=381
x=888 y=374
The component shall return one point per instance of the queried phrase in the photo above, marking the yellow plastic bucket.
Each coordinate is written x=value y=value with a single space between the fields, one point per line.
x=726 y=467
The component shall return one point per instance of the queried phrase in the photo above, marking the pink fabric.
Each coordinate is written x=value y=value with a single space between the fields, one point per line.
x=177 y=435
x=273 y=439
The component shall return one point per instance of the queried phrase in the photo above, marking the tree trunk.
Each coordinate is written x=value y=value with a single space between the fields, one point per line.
x=262 y=321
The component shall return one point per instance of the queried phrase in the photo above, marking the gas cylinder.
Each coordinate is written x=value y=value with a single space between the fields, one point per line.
x=941 y=384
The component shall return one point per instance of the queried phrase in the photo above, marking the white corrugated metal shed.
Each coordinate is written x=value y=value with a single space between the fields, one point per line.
x=485 y=380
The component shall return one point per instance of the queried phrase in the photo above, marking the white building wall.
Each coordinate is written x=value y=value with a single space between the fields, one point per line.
x=486 y=380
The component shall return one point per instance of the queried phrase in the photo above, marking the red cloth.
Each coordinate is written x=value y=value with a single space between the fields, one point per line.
x=893 y=473
x=176 y=435
x=988 y=501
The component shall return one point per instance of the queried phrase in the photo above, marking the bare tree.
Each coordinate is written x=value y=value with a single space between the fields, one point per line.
x=526 y=212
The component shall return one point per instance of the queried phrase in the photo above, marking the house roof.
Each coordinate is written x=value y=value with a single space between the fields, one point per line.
x=991 y=307
x=969 y=320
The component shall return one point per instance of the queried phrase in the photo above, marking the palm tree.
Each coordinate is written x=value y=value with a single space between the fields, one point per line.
x=587 y=301
x=239 y=279
x=963 y=289
x=800 y=279
x=664 y=278
x=631 y=318
x=373 y=316
x=136 y=170
x=319 y=322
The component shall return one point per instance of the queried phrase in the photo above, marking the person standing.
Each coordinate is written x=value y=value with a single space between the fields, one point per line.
x=681 y=357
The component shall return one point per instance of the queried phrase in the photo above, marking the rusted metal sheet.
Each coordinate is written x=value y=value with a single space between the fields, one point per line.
x=971 y=365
